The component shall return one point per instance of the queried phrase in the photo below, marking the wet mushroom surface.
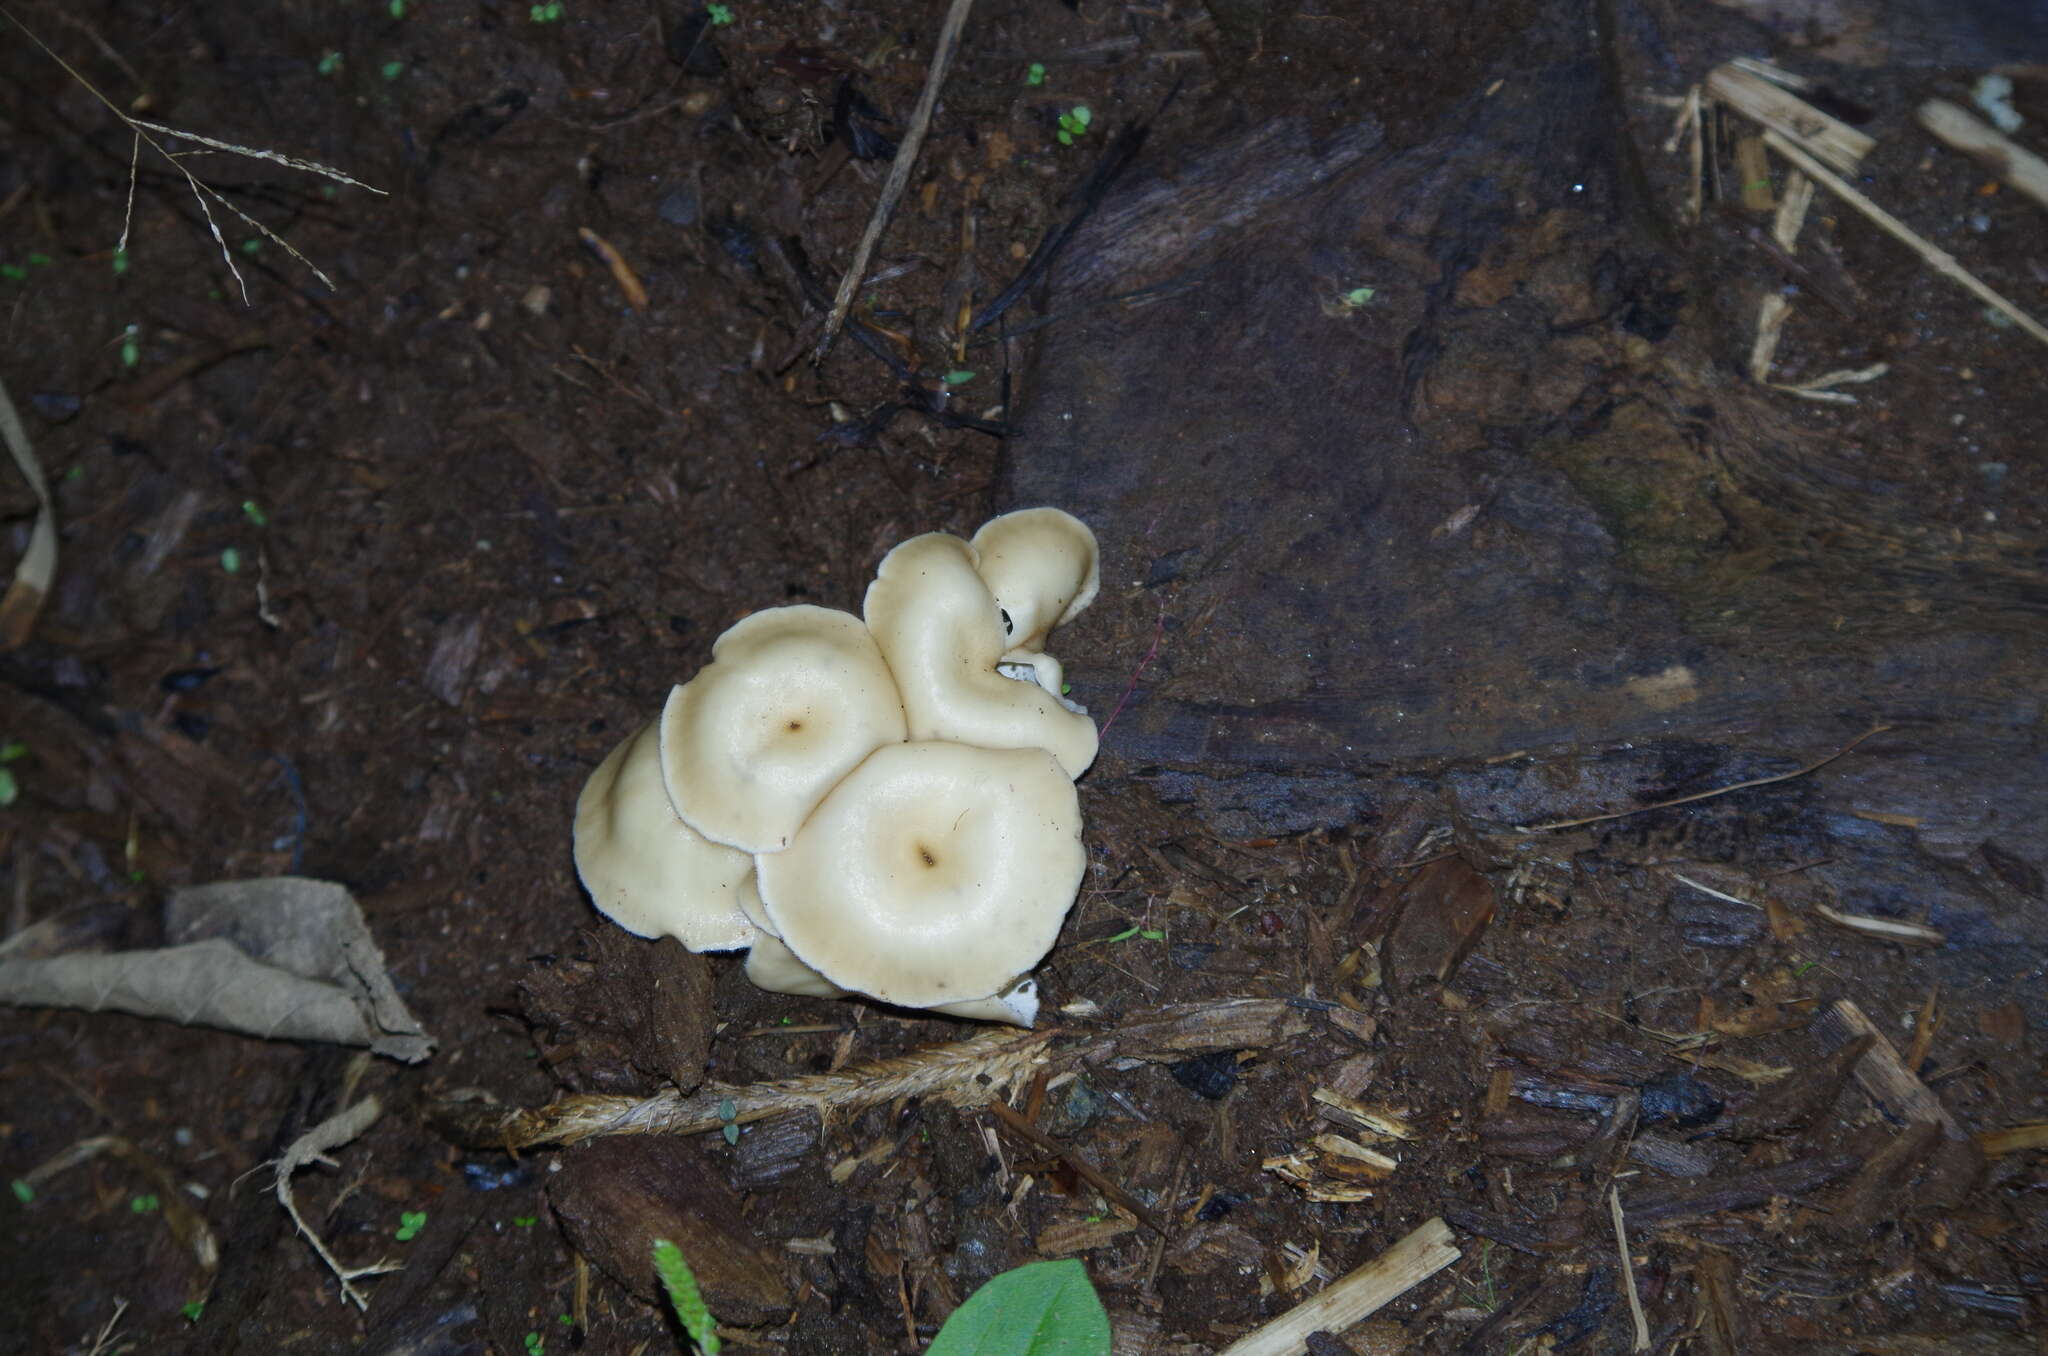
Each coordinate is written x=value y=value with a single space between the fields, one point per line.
x=1546 y=774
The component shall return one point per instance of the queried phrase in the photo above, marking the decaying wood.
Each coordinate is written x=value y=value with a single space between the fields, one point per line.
x=616 y=1197
x=1720 y=1319
x=1080 y=1164
x=1417 y=1257
x=1878 y=1190
x=1443 y=912
x=1793 y=1103
x=1673 y=1158
x=1509 y=1233
x=1831 y=139
x=187 y=1225
x=1738 y=1191
x=1987 y=146
x=963 y=1074
x=1881 y=1073
x=2014 y=1139
x=1936 y=258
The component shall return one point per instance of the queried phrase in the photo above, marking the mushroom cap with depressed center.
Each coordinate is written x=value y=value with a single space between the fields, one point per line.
x=792 y=700
x=939 y=629
x=646 y=869
x=935 y=873
x=1044 y=568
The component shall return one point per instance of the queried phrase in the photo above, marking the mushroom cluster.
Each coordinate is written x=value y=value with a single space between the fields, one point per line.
x=880 y=804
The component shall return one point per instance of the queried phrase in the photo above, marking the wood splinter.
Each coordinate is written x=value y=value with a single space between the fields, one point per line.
x=1350 y=1301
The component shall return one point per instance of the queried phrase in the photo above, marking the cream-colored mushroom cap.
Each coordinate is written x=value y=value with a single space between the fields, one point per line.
x=935 y=873
x=1043 y=567
x=646 y=869
x=940 y=631
x=793 y=699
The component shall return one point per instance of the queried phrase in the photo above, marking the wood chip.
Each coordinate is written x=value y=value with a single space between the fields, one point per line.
x=1830 y=139
x=1423 y=1253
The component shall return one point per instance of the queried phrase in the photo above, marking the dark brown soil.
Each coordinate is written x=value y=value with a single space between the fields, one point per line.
x=361 y=583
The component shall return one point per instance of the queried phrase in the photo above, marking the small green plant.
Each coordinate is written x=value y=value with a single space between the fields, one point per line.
x=120 y=262
x=410 y=1222
x=398 y=9
x=1034 y=74
x=720 y=15
x=23 y=1192
x=525 y=1221
x=147 y=1204
x=10 y=791
x=131 y=346
x=729 y=1114
x=681 y=1285
x=253 y=246
x=1149 y=934
x=535 y=1344
x=192 y=1309
x=549 y=13
x=959 y=376
x=231 y=560
x=391 y=70
x=254 y=513
x=329 y=64
x=1074 y=123
x=1040 y=1309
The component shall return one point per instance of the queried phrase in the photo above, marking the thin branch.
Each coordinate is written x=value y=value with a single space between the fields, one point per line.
x=1707 y=795
x=899 y=171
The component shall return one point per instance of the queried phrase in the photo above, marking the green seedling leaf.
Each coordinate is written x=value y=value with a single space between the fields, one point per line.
x=681 y=1284
x=398 y=9
x=959 y=376
x=255 y=514
x=145 y=1205
x=13 y=751
x=23 y=1192
x=546 y=14
x=720 y=15
x=410 y=1222
x=231 y=560
x=37 y=259
x=10 y=792
x=1125 y=935
x=131 y=346
x=391 y=70
x=1358 y=296
x=1152 y=934
x=1082 y=115
x=525 y=1221
x=1040 y=1309
x=120 y=262
x=1034 y=74
x=329 y=64
x=535 y=1344
x=192 y=1310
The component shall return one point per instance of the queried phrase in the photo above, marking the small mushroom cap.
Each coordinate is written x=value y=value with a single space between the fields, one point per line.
x=1043 y=567
x=646 y=869
x=936 y=873
x=940 y=631
x=792 y=700
x=771 y=965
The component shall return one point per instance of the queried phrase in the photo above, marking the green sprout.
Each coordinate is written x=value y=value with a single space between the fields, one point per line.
x=74 y=475
x=253 y=245
x=146 y=1204
x=959 y=376
x=1074 y=123
x=1359 y=296
x=255 y=514
x=231 y=560
x=549 y=13
x=535 y=1344
x=120 y=262
x=729 y=1114
x=1034 y=74
x=10 y=792
x=720 y=15
x=192 y=1309
x=398 y=9
x=525 y=1221
x=23 y=1192
x=676 y=1278
x=391 y=70
x=131 y=346
x=37 y=259
x=410 y=1222
x=329 y=64
x=1149 y=934
x=13 y=272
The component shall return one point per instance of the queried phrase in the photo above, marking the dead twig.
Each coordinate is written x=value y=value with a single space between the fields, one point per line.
x=309 y=1149
x=1087 y=1171
x=1347 y=1302
x=899 y=171
x=1706 y=795
x=1628 y=1271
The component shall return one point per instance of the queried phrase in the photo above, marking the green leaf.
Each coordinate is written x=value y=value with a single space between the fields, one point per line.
x=1041 y=1309
x=10 y=791
x=681 y=1284
x=23 y=1192
x=1035 y=73
x=959 y=376
x=192 y=1310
